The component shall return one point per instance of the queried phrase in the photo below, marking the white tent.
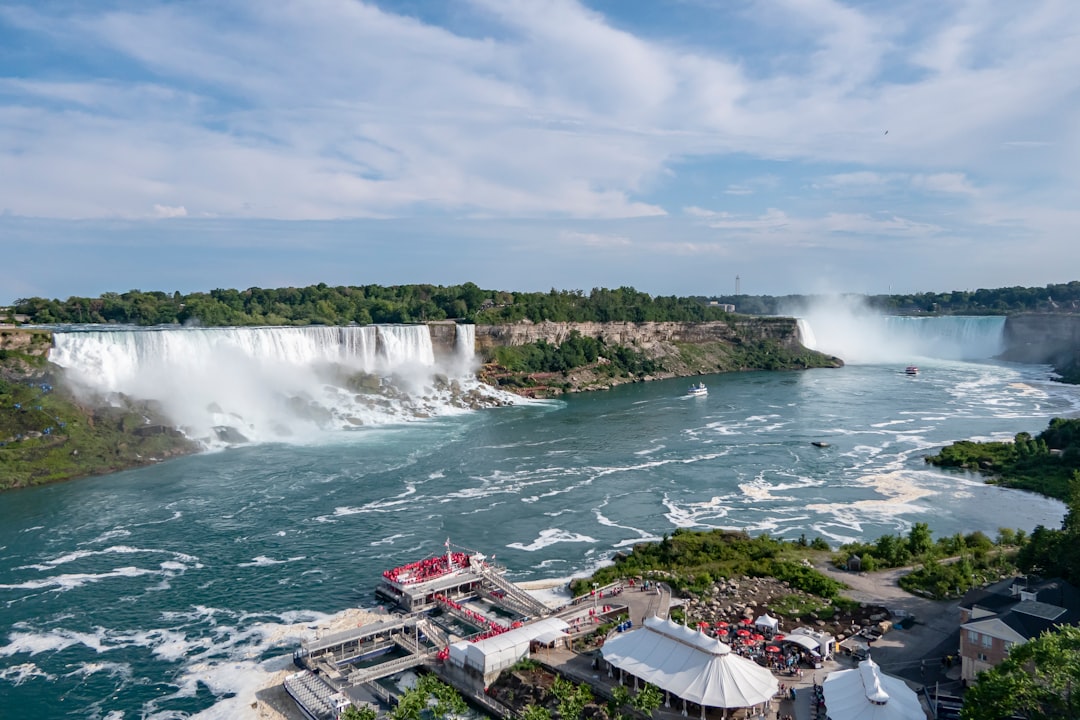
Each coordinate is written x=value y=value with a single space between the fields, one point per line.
x=690 y=665
x=866 y=693
x=807 y=642
x=768 y=622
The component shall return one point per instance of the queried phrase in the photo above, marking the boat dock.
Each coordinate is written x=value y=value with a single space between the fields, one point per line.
x=448 y=611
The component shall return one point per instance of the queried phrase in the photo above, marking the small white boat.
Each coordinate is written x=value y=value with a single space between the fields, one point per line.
x=911 y=370
x=698 y=389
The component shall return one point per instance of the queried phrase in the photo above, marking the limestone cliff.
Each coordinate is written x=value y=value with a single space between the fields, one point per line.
x=1053 y=339
x=645 y=335
x=678 y=349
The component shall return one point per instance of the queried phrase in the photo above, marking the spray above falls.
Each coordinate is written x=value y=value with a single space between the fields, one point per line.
x=230 y=385
x=859 y=335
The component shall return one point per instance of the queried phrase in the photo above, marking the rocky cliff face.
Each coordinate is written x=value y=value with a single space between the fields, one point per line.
x=643 y=336
x=1042 y=338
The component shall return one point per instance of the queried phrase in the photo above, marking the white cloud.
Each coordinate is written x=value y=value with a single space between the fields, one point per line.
x=593 y=239
x=166 y=211
x=952 y=183
x=340 y=109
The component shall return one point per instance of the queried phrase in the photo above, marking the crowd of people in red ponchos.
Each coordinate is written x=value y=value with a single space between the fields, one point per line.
x=493 y=628
x=427 y=569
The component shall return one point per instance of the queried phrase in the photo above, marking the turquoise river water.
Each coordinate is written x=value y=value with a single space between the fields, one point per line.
x=174 y=590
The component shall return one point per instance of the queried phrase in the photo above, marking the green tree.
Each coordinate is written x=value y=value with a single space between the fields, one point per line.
x=620 y=698
x=1039 y=680
x=363 y=713
x=572 y=698
x=415 y=700
x=919 y=540
x=535 y=712
x=648 y=699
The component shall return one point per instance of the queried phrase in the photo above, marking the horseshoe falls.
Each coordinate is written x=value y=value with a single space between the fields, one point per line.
x=863 y=337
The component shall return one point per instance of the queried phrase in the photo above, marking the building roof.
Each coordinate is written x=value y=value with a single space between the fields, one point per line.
x=1016 y=611
x=866 y=693
x=691 y=665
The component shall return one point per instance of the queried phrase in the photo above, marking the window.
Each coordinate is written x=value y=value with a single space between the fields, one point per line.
x=973 y=637
x=987 y=641
x=984 y=657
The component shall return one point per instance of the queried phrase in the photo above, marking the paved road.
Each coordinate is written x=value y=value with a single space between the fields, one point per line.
x=915 y=654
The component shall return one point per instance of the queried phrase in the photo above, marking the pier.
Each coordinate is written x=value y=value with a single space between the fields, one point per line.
x=455 y=615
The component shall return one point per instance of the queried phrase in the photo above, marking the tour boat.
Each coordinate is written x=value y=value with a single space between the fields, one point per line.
x=911 y=370
x=698 y=389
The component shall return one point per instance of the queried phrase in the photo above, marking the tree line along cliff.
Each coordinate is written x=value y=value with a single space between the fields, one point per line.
x=365 y=304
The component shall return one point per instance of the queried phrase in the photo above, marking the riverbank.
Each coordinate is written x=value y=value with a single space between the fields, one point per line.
x=48 y=434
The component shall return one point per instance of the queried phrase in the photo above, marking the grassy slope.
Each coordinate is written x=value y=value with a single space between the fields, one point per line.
x=47 y=434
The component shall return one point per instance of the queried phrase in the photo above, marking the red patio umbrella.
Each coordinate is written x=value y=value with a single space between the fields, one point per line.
x=746 y=621
x=747 y=641
x=777 y=638
x=771 y=648
x=743 y=633
x=758 y=637
x=721 y=624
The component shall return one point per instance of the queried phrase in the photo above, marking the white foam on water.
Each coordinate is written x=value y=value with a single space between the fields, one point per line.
x=71 y=581
x=264 y=561
x=108 y=535
x=552 y=536
x=18 y=674
x=391 y=539
x=112 y=669
x=34 y=643
x=114 y=550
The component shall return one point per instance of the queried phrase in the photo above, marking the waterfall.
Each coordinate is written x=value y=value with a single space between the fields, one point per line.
x=465 y=343
x=227 y=385
x=868 y=338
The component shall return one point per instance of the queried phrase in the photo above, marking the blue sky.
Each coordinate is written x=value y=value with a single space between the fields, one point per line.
x=534 y=144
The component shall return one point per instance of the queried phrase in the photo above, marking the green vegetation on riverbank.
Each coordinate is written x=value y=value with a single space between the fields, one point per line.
x=690 y=561
x=1045 y=464
x=947 y=567
x=47 y=434
x=586 y=363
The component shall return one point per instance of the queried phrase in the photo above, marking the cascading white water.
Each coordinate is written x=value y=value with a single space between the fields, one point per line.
x=861 y=336
x=465 y=343
x=255 y=384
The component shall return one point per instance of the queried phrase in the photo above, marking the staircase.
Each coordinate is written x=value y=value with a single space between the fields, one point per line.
x=393 y=667
x=515 y=598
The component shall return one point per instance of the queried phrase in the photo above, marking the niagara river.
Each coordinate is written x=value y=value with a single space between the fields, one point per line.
x=175 y=590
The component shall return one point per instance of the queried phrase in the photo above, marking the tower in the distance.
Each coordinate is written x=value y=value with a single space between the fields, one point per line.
x=736 y=286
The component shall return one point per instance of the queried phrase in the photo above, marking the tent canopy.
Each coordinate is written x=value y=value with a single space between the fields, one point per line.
x=767 y=621
x=866 y=693
x=690 y=665
x=807 y=642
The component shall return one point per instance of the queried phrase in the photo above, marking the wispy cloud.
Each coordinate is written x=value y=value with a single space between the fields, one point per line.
x=593 y=239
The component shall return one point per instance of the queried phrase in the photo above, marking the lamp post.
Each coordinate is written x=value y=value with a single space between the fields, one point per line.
x=594 y=586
